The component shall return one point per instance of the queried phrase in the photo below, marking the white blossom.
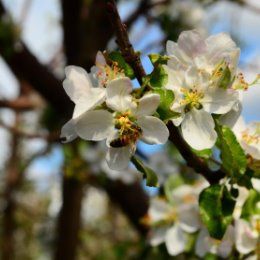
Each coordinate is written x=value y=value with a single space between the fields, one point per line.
x=196 y=71
x=128 y=122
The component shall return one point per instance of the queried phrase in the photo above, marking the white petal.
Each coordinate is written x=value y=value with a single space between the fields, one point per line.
x=154 y=131
x=225 y=246
x=219 y=101
x=68 y=132
x=218 y=45
x=157 y=236
x=191 y=43
x=245 y=237
x=118 y=95
x=158 y=209
x=229 y=119
x=175 y=78
x=175 y=240
x=198 y=129
x=77 y=82
x=189 y=218
x=203 y=243
x=118 y=158
x=88 y=101
x=95 y=125
x=148 y=105
x=100 y=59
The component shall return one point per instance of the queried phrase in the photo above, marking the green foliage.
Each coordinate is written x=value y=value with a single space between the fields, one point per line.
x=216 y=208
x=232 y=155
x=158 y=59
x=206 y=153
x=117 y=57
x=9 y=33
x=148 y=173
x=158 y=78
x=250 y=208
x=166 y=99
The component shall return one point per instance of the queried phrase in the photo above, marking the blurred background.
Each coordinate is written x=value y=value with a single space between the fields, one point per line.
x=60 y=201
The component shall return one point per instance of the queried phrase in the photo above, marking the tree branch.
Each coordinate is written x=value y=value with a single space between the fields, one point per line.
x=123 y=41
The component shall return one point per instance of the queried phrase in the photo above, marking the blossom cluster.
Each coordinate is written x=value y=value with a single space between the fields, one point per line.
x=176 y=220
x=196 y=88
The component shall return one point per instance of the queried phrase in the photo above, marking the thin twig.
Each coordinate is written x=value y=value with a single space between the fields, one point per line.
x=123 y=42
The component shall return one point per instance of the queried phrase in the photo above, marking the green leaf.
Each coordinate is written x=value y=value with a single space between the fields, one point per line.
x=148 y=173
x=166 y=100
x=232 y=155
x=216 y=208
x=250 y=208
x=158 y=59
x=221 y=75
x=206 y=153
x=117 y=57
x=158 y=78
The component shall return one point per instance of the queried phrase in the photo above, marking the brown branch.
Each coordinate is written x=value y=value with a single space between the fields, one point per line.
x=123 y=42
x=13 y=180
x=20 y=104
x=51 y=137
x=198 y=164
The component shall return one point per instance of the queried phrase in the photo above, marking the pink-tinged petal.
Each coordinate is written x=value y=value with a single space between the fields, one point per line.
x=175 y=240
x=198 y=129
x=118 y=158
x=245 y=237
x=154 y=131
x=68 y=132
x=148 y=105
x=95 y=125
x=100 y=59
x=220 y=46
x=191 y=43
x=219 y=101
x=118 y=95
x=77 y=82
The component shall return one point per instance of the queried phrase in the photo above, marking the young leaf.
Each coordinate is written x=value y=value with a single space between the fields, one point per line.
x=148 y=173
x=117 y=57
x=232 y=155
x=250 y=207
x=158 y=78
x=216 y=208
x=166 y=99
x=157 y=58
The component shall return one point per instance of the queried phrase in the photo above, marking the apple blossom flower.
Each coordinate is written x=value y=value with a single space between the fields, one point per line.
x=124 y=122
x=210 y=55
x=171 y=223
x=248 y=136
x=79 y=88
x=87 y=90
x=102 y=73
x=195 y=100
